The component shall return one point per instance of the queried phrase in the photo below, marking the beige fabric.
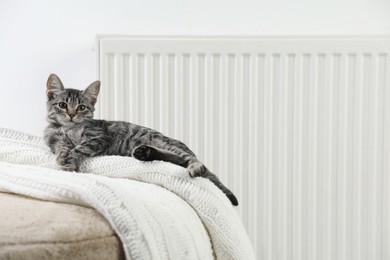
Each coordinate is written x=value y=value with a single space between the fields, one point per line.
x=35 y=229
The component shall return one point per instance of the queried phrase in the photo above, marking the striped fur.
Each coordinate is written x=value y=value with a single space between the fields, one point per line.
x=73 y=135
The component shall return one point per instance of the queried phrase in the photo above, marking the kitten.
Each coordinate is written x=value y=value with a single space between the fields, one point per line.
x=73 y=135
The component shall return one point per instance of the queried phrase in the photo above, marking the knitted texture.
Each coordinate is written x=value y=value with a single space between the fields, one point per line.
x=155 y=208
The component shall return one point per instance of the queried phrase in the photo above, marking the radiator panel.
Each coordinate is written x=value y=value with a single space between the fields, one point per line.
x=298 y=128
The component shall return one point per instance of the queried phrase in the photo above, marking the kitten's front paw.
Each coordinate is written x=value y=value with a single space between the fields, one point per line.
x=143 y=153
x=69 y=167
x=197 y=169
x=63 y=155
x=66 y=161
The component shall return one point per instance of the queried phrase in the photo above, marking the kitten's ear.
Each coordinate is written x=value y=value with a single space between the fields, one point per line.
x=54 y=86
x=92 y=91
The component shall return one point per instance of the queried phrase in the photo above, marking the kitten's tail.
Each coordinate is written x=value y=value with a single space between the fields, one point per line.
x=214 y=179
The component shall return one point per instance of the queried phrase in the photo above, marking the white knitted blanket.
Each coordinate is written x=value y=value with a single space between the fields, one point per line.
x=156 y=209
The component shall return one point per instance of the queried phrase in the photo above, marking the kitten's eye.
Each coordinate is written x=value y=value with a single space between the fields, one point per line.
x=81 y=108
x=62 y=105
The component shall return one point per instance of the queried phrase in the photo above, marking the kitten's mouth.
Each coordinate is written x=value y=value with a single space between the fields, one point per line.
x=69 y=120
x=73 y=120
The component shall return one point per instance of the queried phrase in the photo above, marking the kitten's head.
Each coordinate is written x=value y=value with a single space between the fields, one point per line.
x=67 y=106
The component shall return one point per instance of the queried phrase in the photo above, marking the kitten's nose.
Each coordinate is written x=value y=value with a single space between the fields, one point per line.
x=71 y=113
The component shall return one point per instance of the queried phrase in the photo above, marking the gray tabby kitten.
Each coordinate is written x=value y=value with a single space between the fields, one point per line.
x=73 y=135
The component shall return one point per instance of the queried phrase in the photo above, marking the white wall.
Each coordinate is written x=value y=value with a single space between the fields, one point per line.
x=39 y=37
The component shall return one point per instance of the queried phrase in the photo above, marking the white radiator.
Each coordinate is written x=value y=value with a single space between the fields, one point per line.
x=298 y=128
